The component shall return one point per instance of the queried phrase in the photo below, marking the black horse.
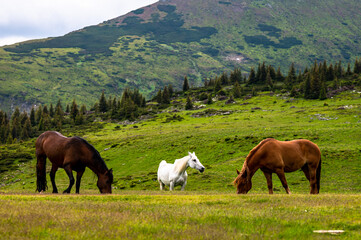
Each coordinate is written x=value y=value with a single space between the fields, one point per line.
x=72 y=153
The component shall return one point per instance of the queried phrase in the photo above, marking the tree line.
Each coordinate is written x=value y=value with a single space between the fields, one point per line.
x=23 y=125
x=311 y=83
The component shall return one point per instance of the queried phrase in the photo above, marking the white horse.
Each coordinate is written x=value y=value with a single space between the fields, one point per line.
x=175 y=174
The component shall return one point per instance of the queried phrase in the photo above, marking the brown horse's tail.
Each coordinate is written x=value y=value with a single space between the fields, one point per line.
x=318 y=176
x=41 y=174
x=40 y=165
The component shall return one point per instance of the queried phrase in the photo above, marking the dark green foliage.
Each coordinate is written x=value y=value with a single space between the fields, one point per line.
x=185 y=84
x=284 y=43
x=98 y=39
x=166 y=8
x=237 y=93
x=236 y=75
x=224 y=78
x=252 y=77
x=165 y=96
x=291 y=77
x=189 y=104
x=138 y=11
x=103 y=106
x=271 y=30
x=218 y=85
x=209 y=100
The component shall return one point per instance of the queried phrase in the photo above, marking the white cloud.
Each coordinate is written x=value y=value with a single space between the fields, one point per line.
x=27 y=19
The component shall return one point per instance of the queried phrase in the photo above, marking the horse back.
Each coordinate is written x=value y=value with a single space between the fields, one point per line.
x=61 y=150
x=297 y=153
x=290 y=155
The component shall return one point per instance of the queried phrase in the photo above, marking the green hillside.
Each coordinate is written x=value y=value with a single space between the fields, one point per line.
x=159 y=44
x=221 y=135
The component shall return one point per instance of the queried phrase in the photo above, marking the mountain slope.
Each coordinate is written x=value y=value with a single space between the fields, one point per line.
x=161 y=43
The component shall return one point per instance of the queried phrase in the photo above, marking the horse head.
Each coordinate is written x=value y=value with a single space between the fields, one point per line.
x=243 y=181
x=195 y=163
x=105 y=181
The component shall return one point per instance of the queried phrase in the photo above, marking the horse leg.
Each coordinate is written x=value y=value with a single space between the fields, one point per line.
x=281 y=175
x=306 y=171
x=54 y=168
x=268 y=176
x=313 y=181
x=69 y=172
x=78 y=179
x=184 y=185
x=171 y=186
x=161 y=184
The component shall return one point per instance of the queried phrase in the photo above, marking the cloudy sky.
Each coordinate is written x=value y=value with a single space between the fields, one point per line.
x=22 y=20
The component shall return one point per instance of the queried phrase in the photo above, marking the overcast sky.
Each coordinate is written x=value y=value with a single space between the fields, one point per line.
x=22 y=20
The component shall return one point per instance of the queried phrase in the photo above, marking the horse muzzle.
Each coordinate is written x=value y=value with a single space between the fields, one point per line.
x=202 y=169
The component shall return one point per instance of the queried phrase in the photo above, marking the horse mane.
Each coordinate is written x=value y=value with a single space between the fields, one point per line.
x=180 y=164
x=249 y=156
x=96 y=154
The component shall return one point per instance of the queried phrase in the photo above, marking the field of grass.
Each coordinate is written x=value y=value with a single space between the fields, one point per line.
x=221 y=135
x=150 y=215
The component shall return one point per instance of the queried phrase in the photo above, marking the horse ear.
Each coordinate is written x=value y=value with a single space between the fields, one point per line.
x=190 y=154
x=237 y=171
x=110 y=171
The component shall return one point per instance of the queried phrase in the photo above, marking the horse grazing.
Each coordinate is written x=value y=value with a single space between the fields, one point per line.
x=273 y=156
x=175 y=174
x=72 y=153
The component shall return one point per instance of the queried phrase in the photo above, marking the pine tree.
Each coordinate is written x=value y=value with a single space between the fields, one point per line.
x=171 y=91
x=165 y=96
x=237 y=90
x=348 y=72
x=185 y=84
x=252 y=77
x=315 y=85
x=263 y=74
x=236 y=75
x=323 y=94
x=291 y=77
x=269 y=81
x=51 y=110
x=218 y=86
x=189 y=103
x=224 y=78
x=74 y=110
x=159 y=97
x=103 y=105
x=32 y=117
x=307 y=90
x=279 y=76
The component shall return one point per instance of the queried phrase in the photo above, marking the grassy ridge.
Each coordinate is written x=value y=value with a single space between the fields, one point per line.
x=221 y=135
x=160 y=45
x=133 y=215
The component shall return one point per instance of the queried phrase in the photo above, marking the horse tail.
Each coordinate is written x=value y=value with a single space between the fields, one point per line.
x=40 y=167
x=318 y=176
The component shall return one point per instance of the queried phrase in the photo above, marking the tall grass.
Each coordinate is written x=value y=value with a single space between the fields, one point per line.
x=136 y=215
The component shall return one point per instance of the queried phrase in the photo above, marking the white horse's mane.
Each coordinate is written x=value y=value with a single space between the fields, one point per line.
x=180 y=165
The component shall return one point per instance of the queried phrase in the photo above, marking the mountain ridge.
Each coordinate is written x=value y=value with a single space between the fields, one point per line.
x=161 y=43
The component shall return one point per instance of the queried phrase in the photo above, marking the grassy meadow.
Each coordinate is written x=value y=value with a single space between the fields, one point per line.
x=221 y=135
x=136 y=215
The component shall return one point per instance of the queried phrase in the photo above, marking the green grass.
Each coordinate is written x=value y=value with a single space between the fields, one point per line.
x=221 y=142
x=209 y=208
x=150 y=215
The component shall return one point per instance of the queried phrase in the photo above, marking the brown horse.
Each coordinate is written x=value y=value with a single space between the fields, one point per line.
x=71 y=154
x=273 y=156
